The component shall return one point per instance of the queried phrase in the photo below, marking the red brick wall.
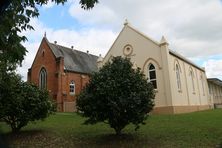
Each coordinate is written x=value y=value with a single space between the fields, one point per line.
x=80 y=81
x=57 y=80
x=48 y=62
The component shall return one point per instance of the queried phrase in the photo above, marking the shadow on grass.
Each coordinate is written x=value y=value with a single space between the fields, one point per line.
x=31 y=138
x=124 y=140
x=3 y=143
x=41 y=138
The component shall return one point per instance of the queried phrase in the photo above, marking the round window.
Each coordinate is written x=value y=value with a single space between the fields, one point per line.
x=127 y=50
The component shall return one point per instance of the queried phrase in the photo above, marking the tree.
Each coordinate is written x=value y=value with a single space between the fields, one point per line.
x=117 y=95
x=15 y=16
x=22 y=102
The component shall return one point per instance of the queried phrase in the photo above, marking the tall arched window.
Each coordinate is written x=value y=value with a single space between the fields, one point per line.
x=43 y=79
x=152 y=75
x=72 y=87
x=202 y=82
x=192 y=79
x=178 y=77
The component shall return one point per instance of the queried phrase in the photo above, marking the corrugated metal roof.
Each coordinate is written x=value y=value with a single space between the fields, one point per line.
x=74 y=60
x=215 y=81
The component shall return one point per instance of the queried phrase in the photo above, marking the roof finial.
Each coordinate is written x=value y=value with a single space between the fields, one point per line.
x=163 y=41
x=126 y=22
x=45 y=34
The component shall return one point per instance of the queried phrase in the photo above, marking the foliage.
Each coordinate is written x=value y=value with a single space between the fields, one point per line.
x=15 y=16
x=22 y=102
x=88 y=4
x=118 y=95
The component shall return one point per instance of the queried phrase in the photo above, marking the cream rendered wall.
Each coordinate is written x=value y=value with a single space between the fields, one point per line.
x=186 y=96
x=216 y=93
x=204 y=90
x=145 y=51
x=179 y=97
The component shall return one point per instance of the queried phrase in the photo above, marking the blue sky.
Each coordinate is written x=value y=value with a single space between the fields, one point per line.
x=58 y=17
x=192 y=29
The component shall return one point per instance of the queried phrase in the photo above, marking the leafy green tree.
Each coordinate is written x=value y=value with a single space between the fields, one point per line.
x=117 y=95
x=22 y=102
x=15 y=16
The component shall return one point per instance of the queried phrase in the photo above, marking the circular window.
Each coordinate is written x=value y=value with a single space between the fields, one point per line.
x=127 y=50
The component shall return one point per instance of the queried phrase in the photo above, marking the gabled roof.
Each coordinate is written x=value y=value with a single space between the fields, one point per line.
x=215 y=81
x=185 y=59
x=158 y=44
x=75 y=60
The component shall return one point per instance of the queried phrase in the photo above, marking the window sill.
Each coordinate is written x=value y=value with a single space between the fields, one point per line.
x=72 y=94
x=180 y=91
x=156 y=90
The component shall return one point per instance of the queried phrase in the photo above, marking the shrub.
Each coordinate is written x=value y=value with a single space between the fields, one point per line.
x=22 y=102
x=117 y=95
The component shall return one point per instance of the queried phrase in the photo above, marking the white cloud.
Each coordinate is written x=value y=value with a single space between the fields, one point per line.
x=100 y=14
x=96 y=41
x=26 y=64
x=213 y=68
x=192 y=28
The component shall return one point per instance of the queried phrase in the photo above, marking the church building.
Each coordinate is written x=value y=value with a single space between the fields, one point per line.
x=62 y=71
x=181 y=86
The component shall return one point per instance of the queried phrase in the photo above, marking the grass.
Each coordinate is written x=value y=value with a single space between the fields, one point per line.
x=198 y=129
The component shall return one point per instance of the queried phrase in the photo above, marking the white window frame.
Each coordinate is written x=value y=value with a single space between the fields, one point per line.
x=202 y=82
x=151 y=80
x=192 y=80
x=178 y=77
x=43 y=78
x=72 y=88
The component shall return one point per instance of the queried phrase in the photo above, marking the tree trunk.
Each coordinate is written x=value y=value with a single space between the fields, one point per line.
x=118 y=131
x=15 y=130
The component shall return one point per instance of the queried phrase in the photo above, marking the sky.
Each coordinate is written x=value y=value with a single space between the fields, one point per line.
x=192 y=28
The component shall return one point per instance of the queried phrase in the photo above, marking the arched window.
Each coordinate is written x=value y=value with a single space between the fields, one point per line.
x=43 y=79
x=72 y=87
x=152 y=75
x=178 y=77
x=192 y=79
x=202 y=82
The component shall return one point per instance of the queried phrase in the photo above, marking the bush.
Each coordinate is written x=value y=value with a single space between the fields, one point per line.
x=117 y=95
x=22 y=102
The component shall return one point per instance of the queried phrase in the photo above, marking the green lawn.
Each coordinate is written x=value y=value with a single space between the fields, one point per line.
x=198 y=129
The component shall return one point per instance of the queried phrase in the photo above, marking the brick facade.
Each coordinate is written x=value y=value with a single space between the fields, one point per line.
x=58 y=80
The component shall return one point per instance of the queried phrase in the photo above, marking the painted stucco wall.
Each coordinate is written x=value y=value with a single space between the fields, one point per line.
x=168 y=98
x=144 y=52
x=215 y=91
x=186 y=95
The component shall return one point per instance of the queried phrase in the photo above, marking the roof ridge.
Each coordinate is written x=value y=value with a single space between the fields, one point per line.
x=73 y=49
x=185 y=59
x=171 y=51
